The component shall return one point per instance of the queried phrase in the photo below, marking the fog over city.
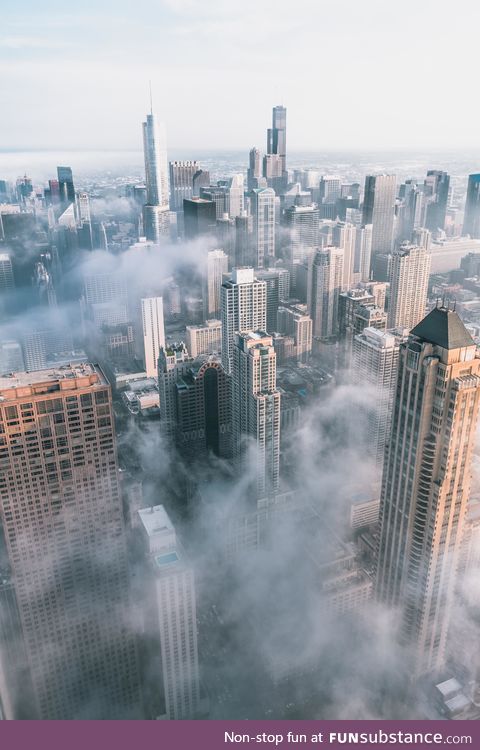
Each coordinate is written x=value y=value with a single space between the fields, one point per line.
x=239 y=366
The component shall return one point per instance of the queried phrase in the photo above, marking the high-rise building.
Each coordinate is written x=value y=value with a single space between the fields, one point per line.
x=379 y=210
x=243 y=241
x=219 y=195
x=203 y=409
x=262 y=203
x=171 y=620
x=345 y=237
x=363 y=253
x=201 y=179
x=226 y=237
x=374 y=365
x=254 y=172
x=7 y=282
x=348 y=302
x=471 y=222
x=277 y=282
x=64 y=531
x=426 y=482
x=65 y=185
x=302 y=223
x=294 y=321
x=235 y=196
x=200 y=217
x=330 y=190
x=256 y=411
x=204 y=339
x=414 y=199
x=172 y=363
x=83 y=207
x=277 y=135
x=324 y=289
x=216 y=267
x=273 y=172
x=366 y=316
x=153 y=333
x=410 y=272
x=181 y=182
x=436 y=186
x=244 y=308
x=156 y=218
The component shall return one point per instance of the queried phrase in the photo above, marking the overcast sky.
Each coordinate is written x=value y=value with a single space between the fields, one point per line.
x=352 y=73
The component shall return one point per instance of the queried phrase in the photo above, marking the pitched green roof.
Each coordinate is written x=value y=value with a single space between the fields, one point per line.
x=444 y=328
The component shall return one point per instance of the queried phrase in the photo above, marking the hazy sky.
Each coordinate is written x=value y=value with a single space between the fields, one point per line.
x=352 y=73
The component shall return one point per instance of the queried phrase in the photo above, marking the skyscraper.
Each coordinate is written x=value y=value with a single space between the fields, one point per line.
x=294 y=321
x=277 y=135
x=7 y=283
x=173 y=361
x=277 y=282
x=153 y=329
x=408 y=286
x=199 y=217
x=244 y=308
x=330 y=190
x=204 y=339
x=426 y=481
x=363 y=253
x=58 y=514
x=379 y=210
x=275 y=160
x=216 y=267
x=437 y=184
x=302 y=222
x=65 y=185
x=203 y=409
x=345 y=237
x=262 y=202
x=254 y=171
x=375 y=363
x=171 y=620
x=324 y=289
x=156 y=220
x=235 y=196
x=181 y=182
x=256 y=411
x=471 y=223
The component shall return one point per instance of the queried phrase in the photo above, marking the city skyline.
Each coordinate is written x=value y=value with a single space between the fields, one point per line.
x=239 y=389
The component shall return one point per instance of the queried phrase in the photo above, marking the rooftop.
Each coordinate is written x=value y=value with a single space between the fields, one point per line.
x=443 y=327
x=155 y=520
x=51 y=375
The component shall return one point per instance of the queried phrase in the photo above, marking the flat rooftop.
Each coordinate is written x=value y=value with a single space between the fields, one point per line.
x=155 y=520
x=74 y=371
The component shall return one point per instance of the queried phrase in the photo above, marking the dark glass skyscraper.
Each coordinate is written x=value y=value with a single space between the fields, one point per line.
x=438 y=183
x=471 y=223
x=277 y=150
x=277 y=135
x=199 y=216
x=65 y=184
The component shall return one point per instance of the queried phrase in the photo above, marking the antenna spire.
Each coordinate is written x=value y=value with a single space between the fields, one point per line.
x=151 y=99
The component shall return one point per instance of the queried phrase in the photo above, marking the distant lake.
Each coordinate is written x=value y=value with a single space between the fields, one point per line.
x=352 y=165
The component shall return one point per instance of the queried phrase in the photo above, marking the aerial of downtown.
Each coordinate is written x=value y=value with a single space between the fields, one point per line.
x=239 y=361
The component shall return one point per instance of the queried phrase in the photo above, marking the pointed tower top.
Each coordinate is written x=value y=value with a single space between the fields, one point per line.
x=444 y=328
